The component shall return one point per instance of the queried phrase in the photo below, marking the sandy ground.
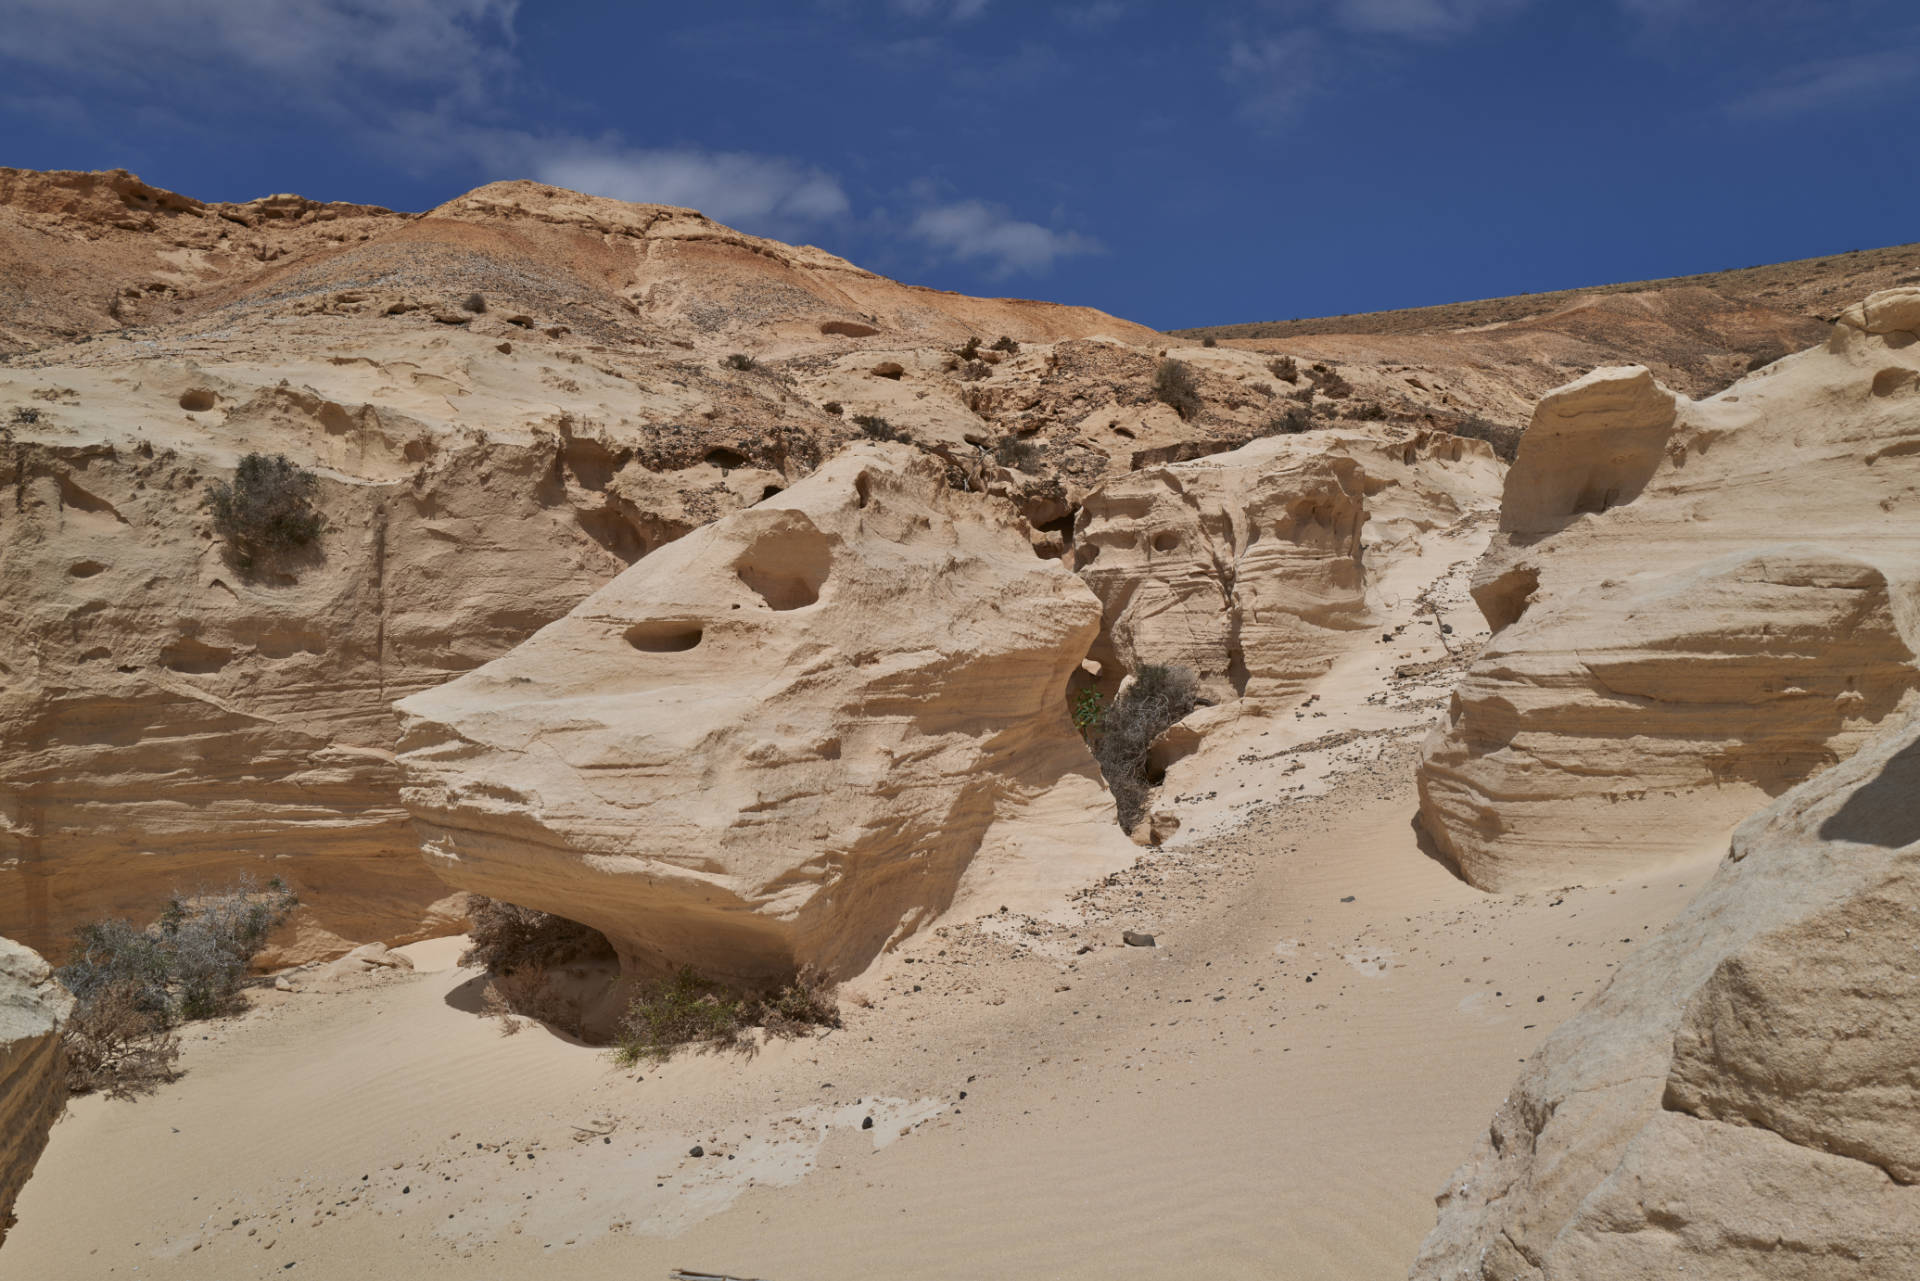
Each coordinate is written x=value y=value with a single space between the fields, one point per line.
x=1277 y=1089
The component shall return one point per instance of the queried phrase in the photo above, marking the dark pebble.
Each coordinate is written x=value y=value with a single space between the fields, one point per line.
x=696 y=1150
x=867 y=1124
x=1134 y=938
x=1347 y=899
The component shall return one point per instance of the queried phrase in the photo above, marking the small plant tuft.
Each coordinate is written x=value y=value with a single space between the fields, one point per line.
x=740 y=360
x=1155 y=699
x=25 y=415
x=1174 y=387
x=1086 y=709
x=266 y=510
x=834 y=407
x=1006 y=344
x=1018 y=454
x=1209 y=341
x=1286 y=369
x=874 y=427
x=968 y=350
x=473 y=303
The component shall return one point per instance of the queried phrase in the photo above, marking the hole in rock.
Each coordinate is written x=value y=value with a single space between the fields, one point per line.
x=786 y=567
x=863 y=489
x=194 y=657
x=664 y=636
x=726 y=459
x=1165 y=541
x=85 y=568
x=771 y=490
x=197 y=400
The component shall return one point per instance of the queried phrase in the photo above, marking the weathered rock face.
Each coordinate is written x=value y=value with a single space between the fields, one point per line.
x=787 y=739
x=1696 y=605
x=33 y=1082
x=168 y=722
x=1252 y=567
x=1742 y=1099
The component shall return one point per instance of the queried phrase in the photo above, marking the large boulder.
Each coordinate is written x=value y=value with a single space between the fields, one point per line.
x=1743 y=1099
x=1696 y=605
x=33 y=1081
x=788 y=739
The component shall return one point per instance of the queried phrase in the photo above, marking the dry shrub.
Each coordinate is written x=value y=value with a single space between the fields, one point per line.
x=685 y=1009
x=874 y=427
x=1156 y=698
x=1006 y=344
x=1285 y=369
x=1174 y=387
x=131 y=986
x=117 y=1047
x=739 y=360
x=507 y=938
x=1016 y=454
x=530 y=994
x=973 y=371
x=267 y=509
x=1505 y=440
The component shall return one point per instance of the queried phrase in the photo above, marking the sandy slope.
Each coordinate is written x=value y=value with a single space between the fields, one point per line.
x=1280 y=1087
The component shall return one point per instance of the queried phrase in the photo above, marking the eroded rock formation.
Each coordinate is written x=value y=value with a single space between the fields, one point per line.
x=1741 y=1100
x=1696 y=605
x=33 y=1083
x=787 y=739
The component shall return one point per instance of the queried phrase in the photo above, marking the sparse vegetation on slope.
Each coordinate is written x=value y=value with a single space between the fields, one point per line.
x=1174 y=387
x=688 y=1010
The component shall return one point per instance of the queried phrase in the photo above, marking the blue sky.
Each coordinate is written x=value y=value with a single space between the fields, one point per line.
x=1178 y=164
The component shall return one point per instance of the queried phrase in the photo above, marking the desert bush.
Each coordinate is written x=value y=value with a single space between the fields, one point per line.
x=1174 y=387
x=25 y=415
x=685 y=1009
x=266 y=510
x=1505 y=440
x=131 y=985
x=1209 y=341
x=874 y=427
x=531 y=994
x=974 y=370
x=834 y=407
x=739 y=360
x=1285 y=369
x=1020 y=455
x=1006 y=344
x=968 y=350
x=1368 y=411
x=506 y=938
x=115 y=1047
x=1290 y=421
x=1156 y=698
x=473 y=303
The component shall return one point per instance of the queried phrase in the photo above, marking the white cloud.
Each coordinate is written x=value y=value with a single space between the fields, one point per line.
x=761 y=192
x=1421 y=18
x=1275 y=72
x=975 y=231
x=951 y=10
x=1832 y=82
x=326 y=49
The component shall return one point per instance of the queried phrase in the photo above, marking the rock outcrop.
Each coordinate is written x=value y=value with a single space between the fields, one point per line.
x=33 y=1082
x=506 y=402
x=1696 y=605
x=1254 y=567
x=1741 y=1100
x=789 y=739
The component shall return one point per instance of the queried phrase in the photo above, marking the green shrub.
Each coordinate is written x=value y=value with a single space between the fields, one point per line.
x=266 y=510
x=1174 y=387
x=1155 y=699
x=1086 y=709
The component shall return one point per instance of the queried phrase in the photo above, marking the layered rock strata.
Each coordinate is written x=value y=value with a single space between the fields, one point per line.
x=1696 y=605
x=33 y=1084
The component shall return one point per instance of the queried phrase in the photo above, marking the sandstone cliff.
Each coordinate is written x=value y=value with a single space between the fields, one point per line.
x=33 y=1084
x=1741 y=1100
x=1696 y=605
x=789 y=739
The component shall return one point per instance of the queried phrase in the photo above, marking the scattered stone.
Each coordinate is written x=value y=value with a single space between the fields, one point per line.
x=1135 y=938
